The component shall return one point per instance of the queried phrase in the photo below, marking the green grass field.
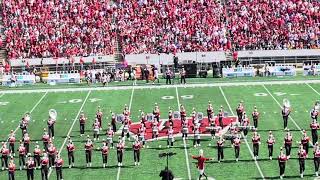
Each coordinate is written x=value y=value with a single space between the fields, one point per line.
x=268 y=99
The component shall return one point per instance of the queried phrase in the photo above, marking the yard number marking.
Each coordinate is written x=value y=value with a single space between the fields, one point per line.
x=73 y=101
x=172 y=97
x=275 y=93
x=4 y=103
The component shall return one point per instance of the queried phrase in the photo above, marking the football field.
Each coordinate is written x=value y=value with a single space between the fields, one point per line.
x=266 y=96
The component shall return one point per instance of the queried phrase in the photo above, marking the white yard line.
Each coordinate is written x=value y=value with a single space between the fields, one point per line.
x=33 y=108
x=161 y=86
x=245 y=140
x=70 y=130
x=184 y=141
x=313 y=88
x=2 y=95
x=130 y=104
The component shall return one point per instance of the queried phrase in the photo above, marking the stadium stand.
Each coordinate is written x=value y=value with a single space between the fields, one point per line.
x=42 y=28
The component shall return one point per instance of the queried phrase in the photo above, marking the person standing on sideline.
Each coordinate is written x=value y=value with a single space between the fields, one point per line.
x=183 y=76
x=282 y=159
x=168 y=74
x=201 y=163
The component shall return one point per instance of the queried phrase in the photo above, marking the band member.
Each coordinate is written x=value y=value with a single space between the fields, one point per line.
x=314 y=131
x=23 y=126
x=210 y=112
x=99 y=117
x=170 y=139
x=22 y=155
x=305 y=141
x=126 y=111
x=183 y=76
x=185 y=130
x=136 y=151
x=285 y=114
x=96 y=129
x=255 y=117
x=233 y=132
x=316 y=158
x=270 y=142
x=30 y=167
x=52 y=151
x=11 y=169
x=170 y=117
x=168 y=74
x=302 y=155
x=114 y=122
x=12 y=140
x=36 y=154
x=104 y=152
x=59 y=164
x=155 y=129
x=220 y=117
x=110 y=134
x=245 y=124
x=256 y=142
x=44 y=166
x=194 y=116
x=314 y=114
x=82 y=121
x=282 y=159
x=51 y=123
x=126 y=126
x=201 y=163
x=88 y=147
x=214 y=129
x=288 y=144
x=26 y=142
x=141 y=135
x=4 y=156
x=240 y=110
x=120 y=151
x=143 y=118
x=183 y=113
x=220 y=145
x=156 y=112
x=70 y=148
x=196 y=132
x=45 y=139
x=236 y=145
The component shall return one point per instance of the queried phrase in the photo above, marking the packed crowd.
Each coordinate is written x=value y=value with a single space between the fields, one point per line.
x=41 y=28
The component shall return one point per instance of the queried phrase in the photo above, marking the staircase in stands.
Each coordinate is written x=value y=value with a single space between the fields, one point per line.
x=3 y=52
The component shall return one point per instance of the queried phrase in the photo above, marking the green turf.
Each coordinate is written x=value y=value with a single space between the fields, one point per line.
x=301 y=97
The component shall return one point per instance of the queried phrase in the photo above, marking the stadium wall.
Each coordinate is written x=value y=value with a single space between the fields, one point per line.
x=199 y=57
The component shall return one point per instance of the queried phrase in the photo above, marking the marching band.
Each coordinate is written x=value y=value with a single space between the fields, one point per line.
x=215 y=126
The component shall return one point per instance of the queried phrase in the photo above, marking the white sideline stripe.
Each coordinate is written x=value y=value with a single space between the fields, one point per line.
x=33 y=108
x=281 y=82
x=69 y=132
x=184 y=141
x=130 y=104
x=256 y=162
x=313 y=88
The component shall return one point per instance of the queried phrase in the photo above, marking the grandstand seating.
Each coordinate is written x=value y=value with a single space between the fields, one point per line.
x=41 y=28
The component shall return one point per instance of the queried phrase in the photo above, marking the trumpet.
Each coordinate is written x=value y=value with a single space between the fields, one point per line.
x=53 y=114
